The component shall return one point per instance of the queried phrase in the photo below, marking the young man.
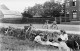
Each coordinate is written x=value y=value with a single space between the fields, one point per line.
x=30 y=27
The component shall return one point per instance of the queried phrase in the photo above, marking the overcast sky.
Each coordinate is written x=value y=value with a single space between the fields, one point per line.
x=19 y=5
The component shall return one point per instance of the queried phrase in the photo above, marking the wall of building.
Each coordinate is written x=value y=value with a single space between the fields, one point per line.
x=1 y=15
x=70 y=8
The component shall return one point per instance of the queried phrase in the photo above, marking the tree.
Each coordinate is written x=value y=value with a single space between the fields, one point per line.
x=26 y=15
x=52 y=9
x=48 y=9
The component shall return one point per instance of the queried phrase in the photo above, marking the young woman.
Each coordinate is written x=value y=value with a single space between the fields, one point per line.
x=39 y=38
x=63 y=46
x=64 y=35
x=45 y=26
x=54 y=25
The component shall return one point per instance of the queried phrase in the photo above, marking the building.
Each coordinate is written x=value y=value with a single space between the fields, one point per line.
x=7 y=15
x=58 y=1
x=72 y=10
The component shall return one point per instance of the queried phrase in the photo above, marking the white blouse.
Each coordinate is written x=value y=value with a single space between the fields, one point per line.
x=64 y=37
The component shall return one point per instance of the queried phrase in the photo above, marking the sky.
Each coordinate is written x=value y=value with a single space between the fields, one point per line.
x=19 y=5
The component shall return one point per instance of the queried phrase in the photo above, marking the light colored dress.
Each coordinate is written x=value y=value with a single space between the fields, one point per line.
x=64 y=37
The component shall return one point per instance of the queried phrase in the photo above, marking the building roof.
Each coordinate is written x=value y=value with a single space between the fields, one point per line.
x=17 y=13
x=8 y=12
x=37 y=15
x=4 y=7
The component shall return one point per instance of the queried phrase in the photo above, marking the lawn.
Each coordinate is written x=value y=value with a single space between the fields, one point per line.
x=60 y=26
x=8 y=43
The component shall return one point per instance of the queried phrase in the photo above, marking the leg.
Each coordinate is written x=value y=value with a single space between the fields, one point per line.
x=56 y=27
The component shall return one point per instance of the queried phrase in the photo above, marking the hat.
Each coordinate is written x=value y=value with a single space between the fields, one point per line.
x=41 y=34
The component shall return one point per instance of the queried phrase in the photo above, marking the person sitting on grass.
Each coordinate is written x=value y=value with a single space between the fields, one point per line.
x=45 y=26
x=63 y=46
x=29 y=30
x=54 y=25
x=38 y=38
x=63 y=35
x=30 y=27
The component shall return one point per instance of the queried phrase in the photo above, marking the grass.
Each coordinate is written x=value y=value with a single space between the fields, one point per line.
x=61 y=26
x=10 y=43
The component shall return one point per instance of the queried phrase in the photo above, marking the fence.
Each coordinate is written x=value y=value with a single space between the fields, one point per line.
x=36 y=20
x=11 y=20
x=62 y=19
x=42 y=20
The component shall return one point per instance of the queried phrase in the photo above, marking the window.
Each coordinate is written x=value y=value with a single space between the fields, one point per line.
x=74 y=14
x=74 y=0
x=67 y=4
x=68 y=0
x=74 y=3
x=67 y=13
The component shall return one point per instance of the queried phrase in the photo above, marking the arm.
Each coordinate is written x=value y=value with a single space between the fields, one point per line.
x=66 y=37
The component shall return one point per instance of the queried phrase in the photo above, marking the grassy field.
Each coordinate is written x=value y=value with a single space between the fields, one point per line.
x=8 y=43
x=60 y=26
x=12 y=44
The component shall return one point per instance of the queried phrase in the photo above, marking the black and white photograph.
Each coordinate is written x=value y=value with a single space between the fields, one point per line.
x=39 y=25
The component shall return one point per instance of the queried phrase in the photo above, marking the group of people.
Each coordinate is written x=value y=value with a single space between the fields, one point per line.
x=62 y=42
x=53 y=25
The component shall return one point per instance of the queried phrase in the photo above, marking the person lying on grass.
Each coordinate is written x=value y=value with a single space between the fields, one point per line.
x=69 y=45
x=39 y=39
x=56 y=44
x=63 y=46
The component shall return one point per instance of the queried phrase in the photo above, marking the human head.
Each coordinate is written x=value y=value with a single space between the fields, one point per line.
x=41 y=34
x=30 y=24
x=63 y=31
x=59 y=39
